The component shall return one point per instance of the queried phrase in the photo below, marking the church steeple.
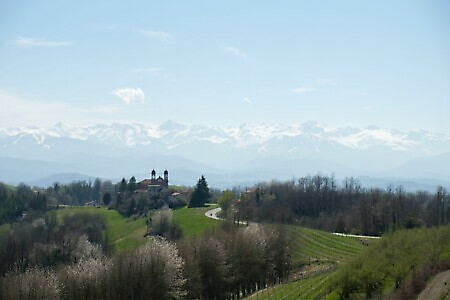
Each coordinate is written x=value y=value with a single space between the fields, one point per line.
x=153 y=174
x=166 y=176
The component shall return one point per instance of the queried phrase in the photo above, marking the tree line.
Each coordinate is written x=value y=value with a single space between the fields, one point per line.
x=318 y=201
x=14 y=201
x=70 y=259
x=42 y=240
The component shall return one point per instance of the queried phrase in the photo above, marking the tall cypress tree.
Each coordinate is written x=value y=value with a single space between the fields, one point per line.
x=200 y=194
x=132 y=185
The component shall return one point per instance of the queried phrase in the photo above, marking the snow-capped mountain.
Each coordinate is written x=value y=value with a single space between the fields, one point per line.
x=345 y=150
x=132 y=134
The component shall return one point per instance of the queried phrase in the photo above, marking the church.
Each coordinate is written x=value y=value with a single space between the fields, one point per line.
x=154 y=185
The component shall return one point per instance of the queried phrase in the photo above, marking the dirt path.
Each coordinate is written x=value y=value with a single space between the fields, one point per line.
x=438 y=288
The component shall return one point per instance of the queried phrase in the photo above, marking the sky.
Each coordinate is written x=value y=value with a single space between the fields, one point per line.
x=343 y=63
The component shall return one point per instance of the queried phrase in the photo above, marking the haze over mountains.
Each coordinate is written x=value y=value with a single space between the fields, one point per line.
x=228 y=156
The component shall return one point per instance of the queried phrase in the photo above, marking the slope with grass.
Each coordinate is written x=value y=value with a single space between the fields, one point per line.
x=316 y=257
x=193 y=220
x=123 y=233
x=315 y=245
x=312 y=287
x=129 y=233
x=400 y=264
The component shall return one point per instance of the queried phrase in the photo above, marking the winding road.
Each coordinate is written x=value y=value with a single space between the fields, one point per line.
x=212 y=213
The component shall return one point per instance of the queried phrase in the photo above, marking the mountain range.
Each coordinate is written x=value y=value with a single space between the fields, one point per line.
x=228 y=156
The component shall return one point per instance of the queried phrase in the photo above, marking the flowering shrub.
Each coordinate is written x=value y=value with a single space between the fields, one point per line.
x=35 y=283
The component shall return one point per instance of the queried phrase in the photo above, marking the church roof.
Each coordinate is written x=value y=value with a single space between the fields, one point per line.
x=142 y=185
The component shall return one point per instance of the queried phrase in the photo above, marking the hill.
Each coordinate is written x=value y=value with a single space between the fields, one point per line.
x=317 y=257
x=400 y=264
x=323 y=264
x=193 y=220
x=128 y=233
x=123 y=233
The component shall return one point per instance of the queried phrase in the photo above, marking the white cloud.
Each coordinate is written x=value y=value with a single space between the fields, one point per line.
x=235 y=51
x=248 y=100
x=158 y=35
x=301 y=90
x=35 y=42
x=130 y=95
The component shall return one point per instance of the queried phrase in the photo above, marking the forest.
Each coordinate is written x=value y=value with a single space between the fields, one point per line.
x=320 y=202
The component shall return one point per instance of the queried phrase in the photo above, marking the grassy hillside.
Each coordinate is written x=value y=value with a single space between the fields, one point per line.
x=312 y=287
x=128 y=233
x=317 y=255
x=124 y=234
x=401 y=263
x=315 y=245
x=193 y=220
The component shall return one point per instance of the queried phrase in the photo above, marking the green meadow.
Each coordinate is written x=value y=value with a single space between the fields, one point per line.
x=129 y=233
x=193 y=220
x=123 y=233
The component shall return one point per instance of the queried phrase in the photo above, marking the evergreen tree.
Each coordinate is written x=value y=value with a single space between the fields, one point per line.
x=200 y=194
x=123 y=186
x=106 y=198
x=131 y=207
x=132 y=185
x=96 y=190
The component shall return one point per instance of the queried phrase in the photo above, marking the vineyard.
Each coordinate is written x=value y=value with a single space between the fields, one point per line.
x=317 y=256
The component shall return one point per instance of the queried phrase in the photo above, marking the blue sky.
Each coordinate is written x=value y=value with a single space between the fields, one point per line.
x=359 y=63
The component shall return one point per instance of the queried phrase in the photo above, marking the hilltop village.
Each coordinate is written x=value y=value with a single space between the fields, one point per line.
x=150 y=193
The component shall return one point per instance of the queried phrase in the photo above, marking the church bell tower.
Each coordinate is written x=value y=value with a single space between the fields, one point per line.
x=166 y=177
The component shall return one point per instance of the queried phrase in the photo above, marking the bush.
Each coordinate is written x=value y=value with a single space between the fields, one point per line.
x=153 y=271
x=162 y=224
x=87 y=279
x=35 y=283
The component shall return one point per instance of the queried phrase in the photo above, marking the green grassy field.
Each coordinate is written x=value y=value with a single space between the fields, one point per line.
x=312 y=287
x=123 y=233
x=316 y=256
x=315 y=245
x=128 y=233
x=193 y=220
